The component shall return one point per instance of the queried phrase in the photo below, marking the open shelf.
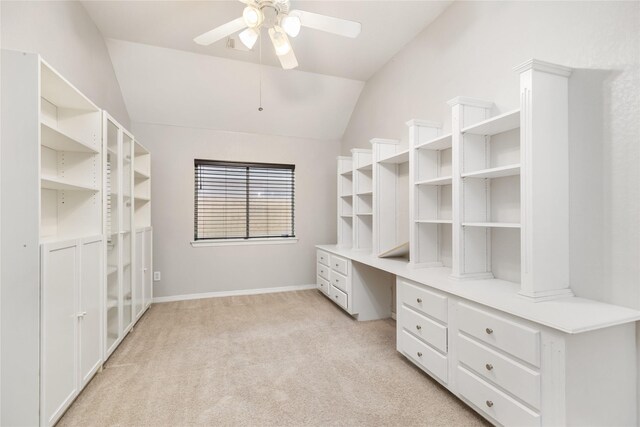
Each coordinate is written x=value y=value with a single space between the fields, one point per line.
x=111 y=269
x=346 y=216
x=60 y=141
x=440 y=143
x=57 y=90
x=495 y=125
x=140 y=175
x=498 y=172
x=346 y=195
x=492 y=224
x=434 y=221
x=444 y=180
x=365 y=167
x=55 y=183
x=397 y=158
x=364 y=213
x=365 y=193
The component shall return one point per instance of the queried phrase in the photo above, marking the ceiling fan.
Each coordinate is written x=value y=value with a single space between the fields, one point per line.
x=281 y=22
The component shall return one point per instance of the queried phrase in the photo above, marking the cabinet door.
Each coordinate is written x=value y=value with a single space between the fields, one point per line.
x=148 y=266
x=138 y=288
x=91 y=279
x=59 y=331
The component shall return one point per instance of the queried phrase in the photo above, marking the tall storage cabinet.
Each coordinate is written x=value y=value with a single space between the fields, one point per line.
x=142 y=292
x=52 y=241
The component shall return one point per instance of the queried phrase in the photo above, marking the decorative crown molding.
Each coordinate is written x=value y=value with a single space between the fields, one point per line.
x=545 y=67
x=471 y=102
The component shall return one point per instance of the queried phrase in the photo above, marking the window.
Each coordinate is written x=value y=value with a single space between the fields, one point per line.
x=236 y=200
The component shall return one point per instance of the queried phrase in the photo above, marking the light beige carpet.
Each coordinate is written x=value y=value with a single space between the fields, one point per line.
x=290 y=358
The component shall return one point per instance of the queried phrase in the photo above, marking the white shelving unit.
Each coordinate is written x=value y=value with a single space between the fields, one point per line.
x=142 y=186
x=142 y=265
x=52 y=240
x=391 y=200
x=345 y=201
x=362 y=199
x=431 y=194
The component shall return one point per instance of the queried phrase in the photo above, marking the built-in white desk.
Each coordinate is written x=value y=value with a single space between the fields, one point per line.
x=569 y=361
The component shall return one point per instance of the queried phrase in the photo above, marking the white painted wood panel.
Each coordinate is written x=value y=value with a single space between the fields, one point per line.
x=91 y=308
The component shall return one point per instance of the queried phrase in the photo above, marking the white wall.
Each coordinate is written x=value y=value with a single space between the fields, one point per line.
x=187 y=270
x=471 y=50
x=66 y=37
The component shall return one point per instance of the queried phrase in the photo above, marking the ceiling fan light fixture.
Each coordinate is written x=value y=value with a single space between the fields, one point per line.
x=252 y=16
x=249 y=37
x=280 y=41
x=291 y=25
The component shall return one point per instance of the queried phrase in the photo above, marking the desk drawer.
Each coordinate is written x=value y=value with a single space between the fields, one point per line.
x=426 y=301
x=513 y=338
x=323 y=271
x=423 y=355
x=426 y=329
x=323 y=285
x=338 y=296
x=322 y=257
x=339 y=264
x=488 y=399
x=338 y=280
x=519 y=380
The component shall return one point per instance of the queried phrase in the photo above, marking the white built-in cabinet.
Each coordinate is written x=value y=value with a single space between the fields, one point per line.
x=483 y=301
x=75 y=189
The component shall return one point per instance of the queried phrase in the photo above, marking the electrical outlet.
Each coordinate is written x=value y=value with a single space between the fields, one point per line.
x=156 y=276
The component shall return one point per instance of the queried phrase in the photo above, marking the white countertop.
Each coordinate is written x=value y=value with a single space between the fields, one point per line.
x=571 y=315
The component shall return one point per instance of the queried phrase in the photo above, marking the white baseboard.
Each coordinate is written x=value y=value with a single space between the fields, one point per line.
x=234 y=293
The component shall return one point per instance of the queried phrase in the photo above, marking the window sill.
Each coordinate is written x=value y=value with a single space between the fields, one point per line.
x=244 y=242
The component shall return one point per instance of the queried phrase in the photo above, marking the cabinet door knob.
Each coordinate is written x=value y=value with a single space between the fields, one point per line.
x=489 y=403
x=82 y=314
x=419 y=354
x=418 y=327
x=419 y=300
x=489 y=331
x=489 y=366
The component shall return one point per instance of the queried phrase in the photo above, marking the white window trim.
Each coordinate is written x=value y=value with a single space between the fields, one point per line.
x=243 y=242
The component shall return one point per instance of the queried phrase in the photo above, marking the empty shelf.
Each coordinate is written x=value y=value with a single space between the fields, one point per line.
x=60 y=141
x=140 y=175
x=434 y=221
x=492 y=224
x=111 y=269
x=498 y=172
x=443 y=180
x=346 y=195
x=495 y=125
x=440 y=143
x=55 y=183
x=364 y=214
x=57 y=90
x=365 y=193
x=400 y=157
x=141 y=200
x=346 y=216
x=347 y=173
x=365 y=167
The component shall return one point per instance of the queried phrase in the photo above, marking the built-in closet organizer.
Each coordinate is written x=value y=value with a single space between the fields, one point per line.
x=483 y=300
x=67 y=187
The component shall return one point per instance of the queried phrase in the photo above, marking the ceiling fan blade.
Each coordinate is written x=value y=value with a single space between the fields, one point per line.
x=220 y=32
x=329 y=24
x=288 y=61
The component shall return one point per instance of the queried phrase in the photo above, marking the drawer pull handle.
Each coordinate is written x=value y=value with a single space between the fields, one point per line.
x=418 y=327
x=489 y=366
x=489 y=331
x=489 y=403
x=419 y=354
x=419 y=300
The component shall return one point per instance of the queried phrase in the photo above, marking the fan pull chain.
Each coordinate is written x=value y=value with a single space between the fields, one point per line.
x=260 y=73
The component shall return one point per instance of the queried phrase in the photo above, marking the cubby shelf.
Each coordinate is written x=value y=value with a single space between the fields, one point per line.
x=365 y=167
x=345 y=196
x=365 y=193
x=139 y=175
x=443 y=180
x=55 y=183
x=498 y=172
x=111 y=269
x=364 y=213
x=434 y=221
x=442 y=142
x=58 y=140
x=140 y=199
x=57 y=90
x=495 y=125
x=347 y=173
x=346 y=216
x=491 y=224
x=397 y=158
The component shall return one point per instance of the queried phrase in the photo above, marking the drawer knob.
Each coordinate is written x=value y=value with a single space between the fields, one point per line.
x=419 y=354
x=337 y=265
x=418 y=327
x=489 y=331
x=489 y=403
x=489 y=366
x=419 y=300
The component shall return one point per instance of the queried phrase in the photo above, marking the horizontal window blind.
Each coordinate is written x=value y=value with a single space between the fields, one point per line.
x=236 y=200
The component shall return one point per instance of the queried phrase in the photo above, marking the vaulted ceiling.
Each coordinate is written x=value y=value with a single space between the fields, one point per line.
x=167 y=78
